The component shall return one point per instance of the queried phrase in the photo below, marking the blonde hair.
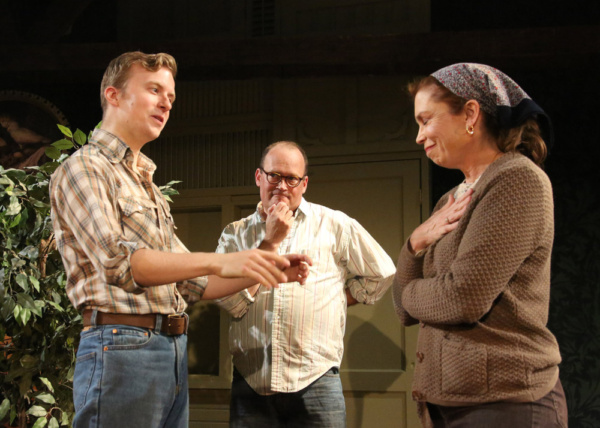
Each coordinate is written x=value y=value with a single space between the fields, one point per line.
x=117 y=72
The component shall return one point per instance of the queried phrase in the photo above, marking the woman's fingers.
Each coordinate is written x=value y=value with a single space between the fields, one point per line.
x=454 y=209
x=441 y=222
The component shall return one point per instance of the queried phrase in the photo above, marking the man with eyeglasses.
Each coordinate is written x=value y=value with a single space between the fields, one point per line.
x=287 y=344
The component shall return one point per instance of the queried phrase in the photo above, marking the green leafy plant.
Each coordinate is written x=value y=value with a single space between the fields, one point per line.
x=39 y=328
x=168 y=191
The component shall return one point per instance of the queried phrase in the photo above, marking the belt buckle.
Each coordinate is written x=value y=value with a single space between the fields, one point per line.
x=177 y=324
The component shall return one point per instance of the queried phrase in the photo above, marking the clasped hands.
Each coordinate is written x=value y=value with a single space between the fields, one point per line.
x=267 y=268
x=281 y=268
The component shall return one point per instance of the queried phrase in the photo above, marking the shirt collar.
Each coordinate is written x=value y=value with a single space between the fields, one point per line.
x=303 y=208
x=117 y=150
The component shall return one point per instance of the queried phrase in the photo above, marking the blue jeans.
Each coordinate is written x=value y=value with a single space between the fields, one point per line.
x=321 y=404
x=550 y=411
x=130 y=377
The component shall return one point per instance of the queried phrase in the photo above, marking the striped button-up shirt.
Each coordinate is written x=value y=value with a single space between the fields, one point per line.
x=284 y=339
x=103 y=211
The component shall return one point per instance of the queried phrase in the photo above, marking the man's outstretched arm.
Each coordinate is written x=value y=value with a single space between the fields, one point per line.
x=242 y=269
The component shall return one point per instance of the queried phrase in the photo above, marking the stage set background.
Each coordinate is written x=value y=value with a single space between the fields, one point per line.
x=331 y=74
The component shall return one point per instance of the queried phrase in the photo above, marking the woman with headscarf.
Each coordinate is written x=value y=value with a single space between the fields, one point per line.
x=476 y=275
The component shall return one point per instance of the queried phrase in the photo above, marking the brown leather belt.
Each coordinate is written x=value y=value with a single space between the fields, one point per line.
x=172 y=324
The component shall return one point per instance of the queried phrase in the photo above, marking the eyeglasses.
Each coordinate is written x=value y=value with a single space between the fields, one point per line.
x=275 y=178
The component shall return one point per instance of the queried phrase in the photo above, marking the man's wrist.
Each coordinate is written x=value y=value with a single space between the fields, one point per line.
x=268 y=246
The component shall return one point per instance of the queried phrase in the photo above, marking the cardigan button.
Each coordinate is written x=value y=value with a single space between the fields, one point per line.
x=418 y=396
x=420 y=357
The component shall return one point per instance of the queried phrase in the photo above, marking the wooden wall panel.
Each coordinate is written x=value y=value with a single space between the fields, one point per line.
x=216 y=134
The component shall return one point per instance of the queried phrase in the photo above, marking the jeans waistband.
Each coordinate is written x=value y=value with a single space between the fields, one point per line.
x=171 y=325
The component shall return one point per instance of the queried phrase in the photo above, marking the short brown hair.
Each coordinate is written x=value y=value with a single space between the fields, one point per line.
x=117 y=72
x=285 y=143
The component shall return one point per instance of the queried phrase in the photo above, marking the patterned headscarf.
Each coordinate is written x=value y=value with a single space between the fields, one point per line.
x=497 y=94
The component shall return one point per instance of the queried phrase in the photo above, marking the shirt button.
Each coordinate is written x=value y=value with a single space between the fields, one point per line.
x=420 y=357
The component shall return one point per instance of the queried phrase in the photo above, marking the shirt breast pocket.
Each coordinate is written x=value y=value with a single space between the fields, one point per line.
x=168 y=218
x=139 y=217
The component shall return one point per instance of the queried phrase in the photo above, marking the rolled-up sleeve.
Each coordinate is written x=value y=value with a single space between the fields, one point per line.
x=370 y=271
x=237 y=304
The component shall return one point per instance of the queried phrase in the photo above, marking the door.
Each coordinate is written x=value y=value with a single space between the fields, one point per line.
x=385 y=197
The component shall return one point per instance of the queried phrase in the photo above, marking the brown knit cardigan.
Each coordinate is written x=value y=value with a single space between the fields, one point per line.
x=481 y=294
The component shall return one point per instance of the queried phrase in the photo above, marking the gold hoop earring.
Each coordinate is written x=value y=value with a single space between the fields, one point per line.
x=470 y=129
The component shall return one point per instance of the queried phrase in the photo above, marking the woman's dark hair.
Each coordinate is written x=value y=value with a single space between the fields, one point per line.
x=525 y=138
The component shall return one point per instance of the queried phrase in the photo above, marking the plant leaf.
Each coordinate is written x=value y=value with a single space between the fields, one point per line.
x=80 y=137
x=47 y=383
x=46 y=398
x=35 y=282
x=53 y=423
x=4 y=407
x=17 y=311
x=63 y=144
x=15 y=221
x=30 y=252
x=16 y=174
x=49 y=167
x=66 y=131
x=41 y=422
x=52 y=152
x=39 y=305
x=39 y=204
x=14 y=207
x=55 y=305
x=26 y=300
x=25 y=316
x=71 y=373
x=16 y=263
x=21 y=279
x=5 y=181
x=7 y=308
